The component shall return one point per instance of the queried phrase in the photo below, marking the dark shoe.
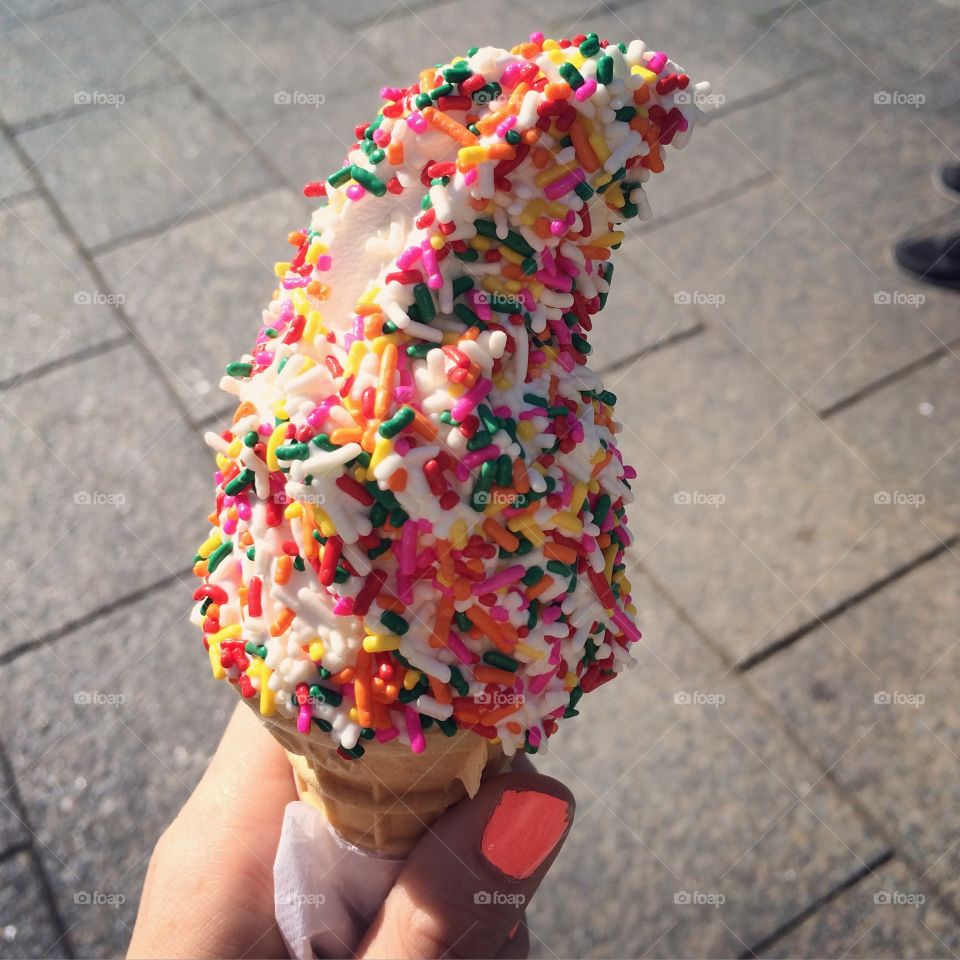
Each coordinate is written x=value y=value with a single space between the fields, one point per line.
x=934 y=260
x=950 y=176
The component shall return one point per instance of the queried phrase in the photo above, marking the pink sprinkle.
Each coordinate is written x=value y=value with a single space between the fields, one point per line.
x=402 y=446
x=391 y=93
x=243 y=507
x=418 y=742
x=343 y=607
x=500 y=614
x=498 y=581
x=324 y=262
x=295 y=282
x=558 y=228
x=537 y=683
x=416 y=122
x=561 y=187
x=303 y=719
x=535 y=737
x=319 y=413
x=229 y=526
x=408 y=258
x=474 y=459
x=408 y=549
x=355 y=191
x=460 y=651
x=470 y=177
x=623 y=622
x=536 y=37
x=508 y=79
x=551 y=613
x=554 y=281
x=471 y=398
x=657 y=62
x=566 y=361
x=380 y=137
x=384 y=735
x=586 y=89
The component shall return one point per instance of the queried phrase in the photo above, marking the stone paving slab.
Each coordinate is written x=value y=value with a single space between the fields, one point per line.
x=28 y=11
x=907 y=432
x=752 y=511
x=662 y=830
x=12 y=829
x=94 y=521
x=14 y=180
x=26 y=928
x=875 y=695
x=159 y=16
x=66 y=313
x=51 y=65
x=195 y=293
x=115 y=767
x=818 y=327
x=895 y=44
x=886 y=914
x=155 y=158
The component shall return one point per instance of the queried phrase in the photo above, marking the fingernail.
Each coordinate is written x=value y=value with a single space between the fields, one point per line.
x=522 y=831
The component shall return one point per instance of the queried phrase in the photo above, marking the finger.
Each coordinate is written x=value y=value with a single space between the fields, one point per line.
x=467 y=882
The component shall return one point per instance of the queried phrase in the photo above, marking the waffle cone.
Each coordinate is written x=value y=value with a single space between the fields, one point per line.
x=386 y=800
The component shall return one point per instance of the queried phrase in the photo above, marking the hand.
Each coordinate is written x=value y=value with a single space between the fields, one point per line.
x=462 y=891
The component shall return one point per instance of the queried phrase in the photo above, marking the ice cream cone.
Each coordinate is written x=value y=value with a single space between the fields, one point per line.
x=388 y=798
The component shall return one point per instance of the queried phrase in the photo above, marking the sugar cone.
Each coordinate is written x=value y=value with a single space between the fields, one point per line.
x=388 y=798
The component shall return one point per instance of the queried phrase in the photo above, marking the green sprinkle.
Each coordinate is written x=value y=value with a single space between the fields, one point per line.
x=583 y=190
x=255 y=650
x=500 y=660
x=419 y=350
x=461 y=285
x=533 y=576
x=394 y=622
x=324 y=443
x=601 y=508
x=216 y=558
x=464 y=623
x=561 y=569
x=239 y=369
x=399 y=421
x=443 y=90
x=251 y=439
x=604 y=69
x=626 y=114
x=424 y=301
x=448 y=727
x=339 y=178
x=293 y=451
x=369 y=181
x=457 y=73
x=572 y=75
x=240 y=482
x=458 y=683
x=326 y=695
x=422 y=100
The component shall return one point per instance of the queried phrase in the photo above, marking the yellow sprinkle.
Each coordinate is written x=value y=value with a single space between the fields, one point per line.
x=209 y=545
x=526 y=430
x=608 y=239
x=481 y=243
x=410 y=679
x=599 y=145
x=292 y=511
x=594 y=485
x=381 y=642
x=531 y=211
x=547 y=176
x=501 y=382
x=235 y=447
x=570 y=681
x=601 y=179
x=316 y=650
x=458 y=533
x=555 y=55
x=299 y=300
x=323 y=522
x=566 y=521
x=218 y=672
x=268 y=699
x=227 y=633
x=549 y=44
x=223 y=463
x=357 y=350
x=280 y=410
x=317 y=247
x=353 y=714
x=531 y=653
x=536 y=287
x=280 y=268
x=381 y=448
x=276 y=439
x=369 y=296
x=648 y=75
x=578 y=59
x=577 y=496
x=437 y=242
x=609 y=556
x=314 y=325
x=511 y=255
x=473 y=154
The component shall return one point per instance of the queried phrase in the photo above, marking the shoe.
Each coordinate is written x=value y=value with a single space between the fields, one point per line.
x=934 y=260
x=950 y=177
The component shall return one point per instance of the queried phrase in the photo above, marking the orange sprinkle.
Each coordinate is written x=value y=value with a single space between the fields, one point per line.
x=343 y=435
x=200 y=568
x=441 y=626
x=557 y=551
x=461 y=589
x=389 y=602
x=311 y=548
x=514 y=727
x=370 y=436
x=283 y=569
x=603 y=541
x=246 y=539
x=641 y=94
x=283 y=621
x=373 y=325
x=581 y=145
x=365 y=309
x=541 y=227
x=540 y=156
x=521 y=481
x=213 y=518
x=456 y=131
x=471 y=333
x=423 y=427
x=653 y=159
x=440 y=691
x=361 y=688
x=244 y=410
x=346 y=675
x=545 y=584
x=596 y=253
x=398 y=479
x=466 y=714
x=560 y=90
x=501 y=151
x=388 y=368
x=500 y=535
x=492 y=717
x=395 y=152
x=296 y=238
x=493 y=675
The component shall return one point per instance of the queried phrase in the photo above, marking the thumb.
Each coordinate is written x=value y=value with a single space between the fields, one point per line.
x=465 y=885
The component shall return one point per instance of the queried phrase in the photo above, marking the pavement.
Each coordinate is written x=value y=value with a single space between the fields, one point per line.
x=778 y=775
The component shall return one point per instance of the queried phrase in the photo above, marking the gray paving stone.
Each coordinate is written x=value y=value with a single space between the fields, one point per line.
x=908 y=433
x=252 y=63
x=12 y=829
x=795 y=295
x=113 y=455
x=896 y=44
x=899 y=757
x=887 y=914
x=52 y=65
x=660 y=786
x=61 y=315
x=157 y=157
x=27 y=11
x=14 y=180
x=755 y=514
x=195 y=293
x=119 y=755
x=26 y=928
x=159 y=16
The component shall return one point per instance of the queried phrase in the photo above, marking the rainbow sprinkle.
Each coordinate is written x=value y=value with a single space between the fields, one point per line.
x=420 y=514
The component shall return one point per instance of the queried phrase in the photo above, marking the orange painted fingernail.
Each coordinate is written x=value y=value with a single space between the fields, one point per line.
x=523 y=830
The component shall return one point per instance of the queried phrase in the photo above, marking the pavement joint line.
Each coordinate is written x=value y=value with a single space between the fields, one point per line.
x=819 y=903
x=82 y=110
x=55 y=12
x=96 y=274
x=848 y=603
x=21 y=196
x=655 y=347
x=15 y=849
x=193 y=215
x=714 y=200
x=771 y=93
x=39 y=868
x=210 y=419
x=72 y=626
x=85 y=353
x=891 y=378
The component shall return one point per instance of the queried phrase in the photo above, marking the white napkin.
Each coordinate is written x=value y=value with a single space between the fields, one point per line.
x=326 y=891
